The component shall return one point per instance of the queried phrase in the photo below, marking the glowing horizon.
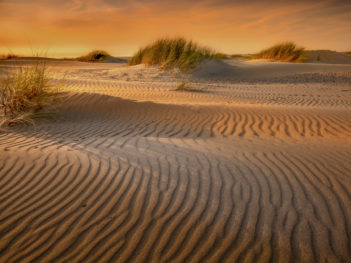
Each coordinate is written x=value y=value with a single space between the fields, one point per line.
x=65 y=28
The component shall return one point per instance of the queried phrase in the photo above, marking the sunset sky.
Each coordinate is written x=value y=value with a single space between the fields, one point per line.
x=73 y=27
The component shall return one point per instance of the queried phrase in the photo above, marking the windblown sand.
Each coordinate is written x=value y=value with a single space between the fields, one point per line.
x=254 y=167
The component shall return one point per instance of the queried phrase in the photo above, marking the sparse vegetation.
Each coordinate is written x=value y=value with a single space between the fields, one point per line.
x=348 y=53
x=286 y=52
x=8 y=56
x=25 y=92
x=95 y=56
x=185 y=87
x=174 y=53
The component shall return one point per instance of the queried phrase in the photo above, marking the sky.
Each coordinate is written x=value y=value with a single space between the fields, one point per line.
x=68 y=28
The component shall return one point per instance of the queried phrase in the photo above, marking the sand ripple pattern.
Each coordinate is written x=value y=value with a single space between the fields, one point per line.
x=308 y=95
x=126 y=181
x=107 y=116
x=143 y=205
x=132 y=171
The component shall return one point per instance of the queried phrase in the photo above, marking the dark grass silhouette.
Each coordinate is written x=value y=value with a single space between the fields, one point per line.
x=95 y=56
x=8 y=56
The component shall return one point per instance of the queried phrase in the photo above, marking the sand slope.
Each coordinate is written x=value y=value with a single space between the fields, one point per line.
x=247 y=170
x=328 y=56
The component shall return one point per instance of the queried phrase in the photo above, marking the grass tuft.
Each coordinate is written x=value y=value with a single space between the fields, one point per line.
x=185 y=87
x=95 y=56
x=173 y=53
x=286 y=52
x=25 y=92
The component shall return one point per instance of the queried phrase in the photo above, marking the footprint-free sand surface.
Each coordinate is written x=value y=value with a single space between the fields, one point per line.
x=254 y=166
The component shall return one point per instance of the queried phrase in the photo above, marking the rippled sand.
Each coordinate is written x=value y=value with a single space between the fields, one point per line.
x=255 y=167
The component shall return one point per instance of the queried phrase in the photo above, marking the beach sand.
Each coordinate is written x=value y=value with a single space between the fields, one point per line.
x=254 y=167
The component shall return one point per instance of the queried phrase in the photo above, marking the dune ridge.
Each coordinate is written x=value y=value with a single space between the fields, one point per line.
x=135 y=172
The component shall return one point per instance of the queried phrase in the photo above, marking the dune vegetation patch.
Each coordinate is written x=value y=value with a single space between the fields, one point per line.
x=95 y=56
x=174 y=53
x=8 y=56
x=184 y=86
x=285 y=52
x=25 y=92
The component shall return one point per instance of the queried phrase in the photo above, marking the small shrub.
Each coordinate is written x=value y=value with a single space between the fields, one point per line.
x=173 y=53
x=286 y=52
x=184 y=87
x=25 y=92
x=95 y=56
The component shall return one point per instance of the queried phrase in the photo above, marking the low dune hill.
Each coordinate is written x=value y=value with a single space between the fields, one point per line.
x=251 y=164
x=328 y=56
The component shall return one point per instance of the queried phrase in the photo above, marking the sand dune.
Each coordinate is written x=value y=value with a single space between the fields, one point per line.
x=264 y=71
x=254 y=168
x=328 y=56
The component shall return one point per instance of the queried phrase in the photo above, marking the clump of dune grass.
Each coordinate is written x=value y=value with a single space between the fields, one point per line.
x=8 y=56
x=95 y=56
x=25 y=92
x=173 y=53
x=286 y=52
x=184 y=86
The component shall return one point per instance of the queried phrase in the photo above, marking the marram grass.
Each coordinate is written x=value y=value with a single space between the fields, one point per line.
x=174 y=53
x=25 y=92
x=286 y=52
x=95 y=56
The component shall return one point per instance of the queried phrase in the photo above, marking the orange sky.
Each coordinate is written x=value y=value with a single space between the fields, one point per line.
x=73 y=27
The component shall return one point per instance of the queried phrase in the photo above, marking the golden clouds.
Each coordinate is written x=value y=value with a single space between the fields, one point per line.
x=73 y=27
